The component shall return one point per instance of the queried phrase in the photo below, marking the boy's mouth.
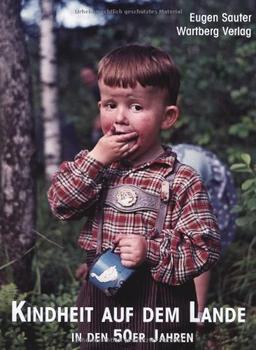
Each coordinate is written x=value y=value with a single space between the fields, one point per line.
x=119 y=132
x=122 y=132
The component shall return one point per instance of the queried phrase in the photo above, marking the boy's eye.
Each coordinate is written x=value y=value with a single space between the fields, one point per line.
x=136 y=108
x=110 y=105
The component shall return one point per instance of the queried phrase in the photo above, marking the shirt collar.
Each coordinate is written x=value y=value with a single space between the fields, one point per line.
x=168 y=158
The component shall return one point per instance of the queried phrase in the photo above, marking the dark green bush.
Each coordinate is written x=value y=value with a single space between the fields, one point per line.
x=40 y=336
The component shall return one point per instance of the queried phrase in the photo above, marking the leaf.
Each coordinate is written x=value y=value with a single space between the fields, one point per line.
x=233 y=129
x=252 y=203
x=247 y=184
x=241 y=168
x=242 y=221
x=246 y=158
x=238 y=166
x=236 y=209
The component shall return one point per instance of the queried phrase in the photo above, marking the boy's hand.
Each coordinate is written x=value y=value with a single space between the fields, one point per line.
x=112 y=147
x=133 y=249
x=81 y=272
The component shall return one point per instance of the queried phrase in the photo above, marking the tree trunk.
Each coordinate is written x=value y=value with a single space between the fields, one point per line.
x=17 y=197
x=49 y=91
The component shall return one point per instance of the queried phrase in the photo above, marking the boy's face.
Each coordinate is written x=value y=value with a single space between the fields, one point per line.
x=140 y=109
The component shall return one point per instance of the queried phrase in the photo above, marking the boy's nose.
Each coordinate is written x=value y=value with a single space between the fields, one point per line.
x=121 y=116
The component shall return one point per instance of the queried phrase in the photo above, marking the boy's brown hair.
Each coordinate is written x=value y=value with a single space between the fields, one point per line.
x=147 y=65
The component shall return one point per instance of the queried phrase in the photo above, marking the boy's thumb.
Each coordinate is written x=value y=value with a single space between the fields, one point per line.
x=117 y=239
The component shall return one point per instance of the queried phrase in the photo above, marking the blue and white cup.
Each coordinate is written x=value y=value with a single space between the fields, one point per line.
x=108 y=274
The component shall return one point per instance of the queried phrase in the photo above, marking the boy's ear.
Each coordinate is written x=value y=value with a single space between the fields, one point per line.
x=99 y=104
x=170 y=116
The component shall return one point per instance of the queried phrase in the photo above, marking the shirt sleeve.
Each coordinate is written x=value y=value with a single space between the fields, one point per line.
x=76 y=187
x=192 y=245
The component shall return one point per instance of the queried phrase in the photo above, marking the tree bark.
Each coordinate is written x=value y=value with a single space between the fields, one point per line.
x=17 y=197
x=49 y=90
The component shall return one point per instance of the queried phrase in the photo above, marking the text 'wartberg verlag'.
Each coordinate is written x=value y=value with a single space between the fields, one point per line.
x=215 y=25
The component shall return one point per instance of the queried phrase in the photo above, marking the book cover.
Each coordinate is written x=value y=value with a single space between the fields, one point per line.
x=213 y=44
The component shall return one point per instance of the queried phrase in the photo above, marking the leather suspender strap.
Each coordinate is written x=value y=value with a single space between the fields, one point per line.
x=101 y=214
x=100 y=233
x=164 y=199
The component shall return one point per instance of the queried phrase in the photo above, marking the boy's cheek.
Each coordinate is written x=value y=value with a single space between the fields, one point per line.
x=106 y=126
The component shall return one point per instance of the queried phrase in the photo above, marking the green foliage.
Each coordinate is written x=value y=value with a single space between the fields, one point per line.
x=36 y=335
x=243 y=129
x=12 y=335
x=247 y=206
x=54 y=335
x=230 y=336
x=56 y=254
x=235 y=276
x=56 y=257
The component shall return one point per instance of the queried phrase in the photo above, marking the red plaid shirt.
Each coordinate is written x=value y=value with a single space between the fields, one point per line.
x=189 y=242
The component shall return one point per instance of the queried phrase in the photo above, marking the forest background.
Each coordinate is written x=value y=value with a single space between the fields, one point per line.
x=218 y=111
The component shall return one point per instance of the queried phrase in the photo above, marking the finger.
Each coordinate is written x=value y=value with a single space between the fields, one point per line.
x=128 y=263
x=126 y=256
x=128 y=152
x=125 y=148
x=124 y=242
x=133 y=148
x=126 y=250
x=126 y=137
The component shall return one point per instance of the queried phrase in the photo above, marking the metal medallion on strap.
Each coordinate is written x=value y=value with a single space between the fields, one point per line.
x=126 y=196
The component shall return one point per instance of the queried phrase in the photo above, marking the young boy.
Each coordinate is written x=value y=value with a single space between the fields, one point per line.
x=168 y=242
